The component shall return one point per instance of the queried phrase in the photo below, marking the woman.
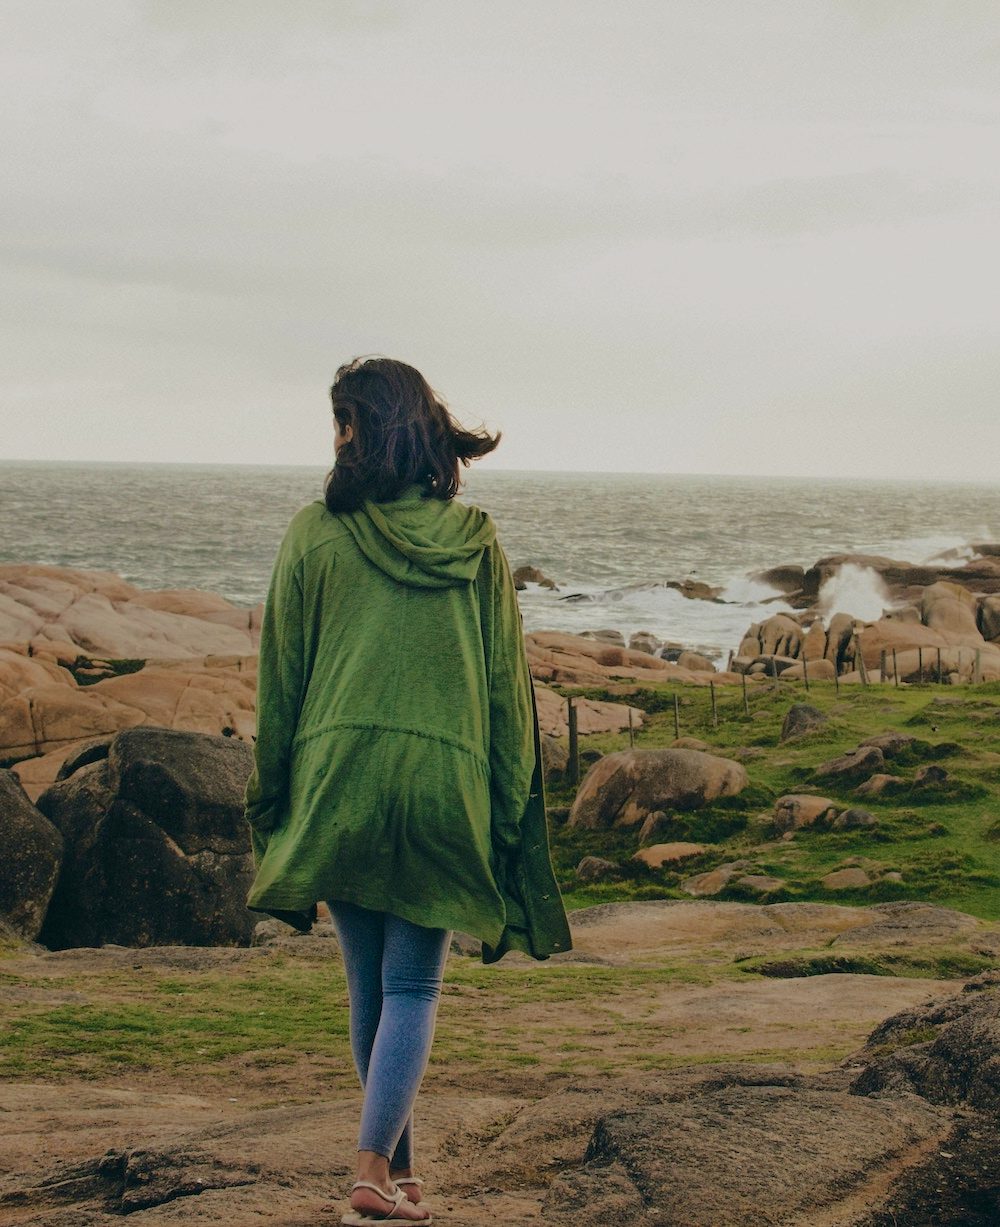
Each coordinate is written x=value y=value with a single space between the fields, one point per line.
x=397 y=762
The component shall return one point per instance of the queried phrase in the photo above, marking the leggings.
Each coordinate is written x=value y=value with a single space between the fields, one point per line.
x=394 y=971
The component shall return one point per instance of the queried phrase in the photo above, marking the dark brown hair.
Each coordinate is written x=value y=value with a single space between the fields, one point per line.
x=403 y=434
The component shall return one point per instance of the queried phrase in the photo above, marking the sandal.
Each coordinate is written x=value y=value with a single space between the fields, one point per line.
x=358 y=1219
x=413 y=1180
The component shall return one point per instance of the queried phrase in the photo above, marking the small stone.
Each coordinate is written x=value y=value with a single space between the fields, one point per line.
x=798 y=810
x=846 y=879
x=851 y=819
x=596 y=869
x=761 y=883
x=663 y=854
x=712 y=882
x=931 y=774
x=801 y=718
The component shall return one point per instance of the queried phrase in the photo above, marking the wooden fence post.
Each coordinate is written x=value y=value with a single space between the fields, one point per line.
x=895 y=669
x=805 y=672
x=631 y=730
x=677 y=716
x=715 y=710
x=746 y=701
x=574 y=742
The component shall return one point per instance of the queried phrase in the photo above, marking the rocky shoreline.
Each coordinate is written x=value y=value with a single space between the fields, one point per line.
x=743 y=1083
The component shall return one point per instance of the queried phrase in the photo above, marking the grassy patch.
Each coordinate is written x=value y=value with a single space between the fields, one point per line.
x=941 y=837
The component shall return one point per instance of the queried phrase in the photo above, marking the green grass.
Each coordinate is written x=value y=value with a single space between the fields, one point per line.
x=943 y=838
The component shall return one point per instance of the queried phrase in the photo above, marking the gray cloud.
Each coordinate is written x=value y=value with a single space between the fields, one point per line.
x=714 y=227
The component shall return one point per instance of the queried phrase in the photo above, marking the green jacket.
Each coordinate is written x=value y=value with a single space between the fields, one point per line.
x=397 y=756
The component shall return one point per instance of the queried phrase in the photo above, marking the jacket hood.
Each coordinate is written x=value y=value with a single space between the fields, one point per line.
x=422 y=542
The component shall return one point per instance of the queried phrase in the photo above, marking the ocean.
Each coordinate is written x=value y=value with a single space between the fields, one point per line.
x=610 y=541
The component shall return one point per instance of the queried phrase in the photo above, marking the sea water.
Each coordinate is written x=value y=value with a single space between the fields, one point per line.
x=610 y=541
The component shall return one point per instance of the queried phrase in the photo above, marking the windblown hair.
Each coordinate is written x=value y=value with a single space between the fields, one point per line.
x=403 y=435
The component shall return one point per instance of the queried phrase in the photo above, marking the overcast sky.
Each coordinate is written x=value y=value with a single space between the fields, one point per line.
x=701 y=236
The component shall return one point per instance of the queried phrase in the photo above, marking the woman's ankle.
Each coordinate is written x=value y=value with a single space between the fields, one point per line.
x=374 y=1168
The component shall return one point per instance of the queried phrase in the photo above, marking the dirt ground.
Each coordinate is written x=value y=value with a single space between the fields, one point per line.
x=528 y=1056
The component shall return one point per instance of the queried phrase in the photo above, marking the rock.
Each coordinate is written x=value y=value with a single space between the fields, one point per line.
x=856 y=764
x=785 y=578
x=931 y=774
x=607 y=635
x=201 y=696
x=102 y=615
x=695 y=589
x=760 y=883
x=814 y=645
x=592 y=716
x=797 y=810
x=852 y=819
x=623 y=789
x=658 y=855
x=780 y=635
x=532 y=575
x=90 y=751
x=817 y=670
x=988 y=620
x=555 y=757
x=157 y=849
x=801 y=718
x=838 y=636
x=716 y=879
x=748 y=1147
x=31 y=852
x=893 y=744
x=597 y=869
x=879 y=785
x=644 y=641
x=690 y=743
x=947 y=1051
x=696 y=662
x=846 y=879
x=19 y=672
x=951 y=609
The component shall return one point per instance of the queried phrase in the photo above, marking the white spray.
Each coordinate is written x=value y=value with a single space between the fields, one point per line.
x=854 y=590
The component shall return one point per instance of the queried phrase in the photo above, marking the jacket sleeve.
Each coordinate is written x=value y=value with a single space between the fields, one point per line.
x=512 y=718
x=280 y=681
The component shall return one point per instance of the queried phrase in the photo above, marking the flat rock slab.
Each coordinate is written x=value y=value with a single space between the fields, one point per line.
x=750 y=1155
x=85 y=1160
x=633 y=932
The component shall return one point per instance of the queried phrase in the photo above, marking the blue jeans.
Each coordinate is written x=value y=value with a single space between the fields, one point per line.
x=394 y=971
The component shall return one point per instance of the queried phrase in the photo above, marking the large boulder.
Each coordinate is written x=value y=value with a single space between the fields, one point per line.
x=947 y=1052
x=989 y=617
x=157 y=849
x=31 y=851
x=951 y=609
x=838 y=637
x=814 y=643
x=623 y=789
x=780 y=635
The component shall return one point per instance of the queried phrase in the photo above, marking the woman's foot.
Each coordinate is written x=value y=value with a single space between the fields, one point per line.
x=384 y=1205
x=405 y=1179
